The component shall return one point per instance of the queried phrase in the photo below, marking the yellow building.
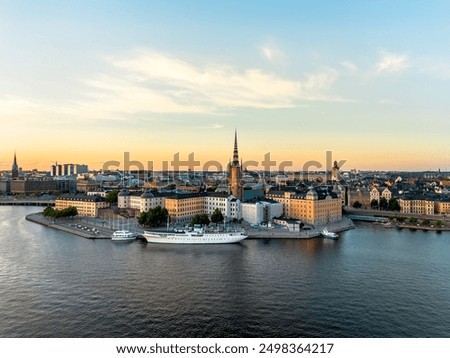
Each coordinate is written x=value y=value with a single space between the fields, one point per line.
x=416 y=206
x=318 y=206
x=442 y=207
x=87 y=205
x=182 y=208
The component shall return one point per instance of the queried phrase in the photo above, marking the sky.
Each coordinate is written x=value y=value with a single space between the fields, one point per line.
x=87 y=81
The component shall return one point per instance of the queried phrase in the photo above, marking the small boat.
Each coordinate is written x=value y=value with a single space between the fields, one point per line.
x=329 y=234
x=123 y=235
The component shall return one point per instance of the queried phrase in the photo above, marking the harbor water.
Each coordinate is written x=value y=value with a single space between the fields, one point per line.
x=372 y=282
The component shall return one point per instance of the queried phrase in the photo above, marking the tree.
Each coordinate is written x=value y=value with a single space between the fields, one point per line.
x=426 y=222
x=200 y=219
x=154 y=217
x=48 y=212
x=394 y=204
x=216 y=216
x=439 y=223
x=111 y=197
x=374 y=203
x=384 y=203
x=357 y=205
x=68 y=212
x=412 y=220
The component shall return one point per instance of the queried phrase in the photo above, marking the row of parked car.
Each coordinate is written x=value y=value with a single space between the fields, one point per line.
x=85 y=228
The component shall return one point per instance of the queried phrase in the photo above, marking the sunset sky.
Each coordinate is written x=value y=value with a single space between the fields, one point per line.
x=85 y=81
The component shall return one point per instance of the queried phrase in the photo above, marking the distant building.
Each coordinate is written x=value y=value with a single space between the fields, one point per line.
x=376 y=193
x=183 y=207
x=140 y=202
x=68 y=169
x=261 y=211
x=442 y=207
x=87 y=205
x=15 y=168
x=25 y=186
x=416 y=206
x=315 y=207
x=5 y=186
x=229 y=206
x=360 y=195
x=235 y=173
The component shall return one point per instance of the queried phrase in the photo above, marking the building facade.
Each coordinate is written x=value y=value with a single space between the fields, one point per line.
x=87 y=205
x=416 y=206
x=261 y=211
x=317 y=206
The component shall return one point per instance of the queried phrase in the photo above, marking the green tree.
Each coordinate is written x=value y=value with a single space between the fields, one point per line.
x=111 y=197
x=384 y=203
x=401 y=219
x=216 y=216
x=394 y=204
x=48 y=212
x=426 y=222
x=200 y=219
x=154 y=217
x=439 y=223
x=357 y=205
x=412 y=220
x=374 y=203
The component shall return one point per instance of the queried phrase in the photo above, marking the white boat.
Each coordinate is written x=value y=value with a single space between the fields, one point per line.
x=123 y=235
x=197 y=236
x=329 y=234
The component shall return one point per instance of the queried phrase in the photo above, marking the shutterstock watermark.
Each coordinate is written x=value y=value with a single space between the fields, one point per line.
x=176 y=165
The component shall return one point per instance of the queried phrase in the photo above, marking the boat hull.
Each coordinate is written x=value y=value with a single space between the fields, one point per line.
x=169 y=238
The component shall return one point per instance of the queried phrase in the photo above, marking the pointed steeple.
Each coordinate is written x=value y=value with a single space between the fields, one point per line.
x=235 y=152
x=15 y=168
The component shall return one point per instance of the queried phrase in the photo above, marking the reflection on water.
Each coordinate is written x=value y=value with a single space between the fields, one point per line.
x=372 y=282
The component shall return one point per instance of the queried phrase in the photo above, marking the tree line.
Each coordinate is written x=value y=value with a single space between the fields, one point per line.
x=50 y=212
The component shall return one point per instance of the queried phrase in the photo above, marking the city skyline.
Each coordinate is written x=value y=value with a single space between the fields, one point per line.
x=87 y=82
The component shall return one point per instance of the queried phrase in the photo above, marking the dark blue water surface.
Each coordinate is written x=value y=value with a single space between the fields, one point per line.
x=373 y=282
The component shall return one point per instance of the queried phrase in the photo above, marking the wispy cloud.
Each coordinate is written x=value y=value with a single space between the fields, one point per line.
x=349 y=66
x=146 y=81
x=392 y=63
x=150 y=81
x=272 y=53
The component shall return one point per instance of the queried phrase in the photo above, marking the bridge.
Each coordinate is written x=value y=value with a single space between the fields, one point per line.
x=27 y=202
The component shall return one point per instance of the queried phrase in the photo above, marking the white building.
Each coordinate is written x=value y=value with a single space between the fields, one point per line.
x=139 y=202
x=257 y=212
x=227 y=204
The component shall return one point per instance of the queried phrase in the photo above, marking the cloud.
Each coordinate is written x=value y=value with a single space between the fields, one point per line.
x=392 y=63
x=349 y=66
x=272 y=53
x=148 y=81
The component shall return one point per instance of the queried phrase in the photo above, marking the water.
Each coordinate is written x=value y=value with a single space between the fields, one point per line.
x=373 y=282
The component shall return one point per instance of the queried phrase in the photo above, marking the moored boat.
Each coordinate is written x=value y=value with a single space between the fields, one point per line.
x=196 y=236
x=123 y=235
x=329 y=234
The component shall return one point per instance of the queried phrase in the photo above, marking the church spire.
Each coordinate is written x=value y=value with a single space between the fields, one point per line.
x=15 y=168
x=235 y=152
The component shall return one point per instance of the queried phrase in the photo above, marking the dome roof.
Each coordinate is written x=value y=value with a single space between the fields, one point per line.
x=124 y=192
x=312 y=193
x=147 y=195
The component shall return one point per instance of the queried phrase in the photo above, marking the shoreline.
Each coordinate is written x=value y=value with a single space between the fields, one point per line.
x=262 y=233
x=38 y=218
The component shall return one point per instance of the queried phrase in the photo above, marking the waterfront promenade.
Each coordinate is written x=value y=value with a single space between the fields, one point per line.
x=72 y=226
x=79 y=225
